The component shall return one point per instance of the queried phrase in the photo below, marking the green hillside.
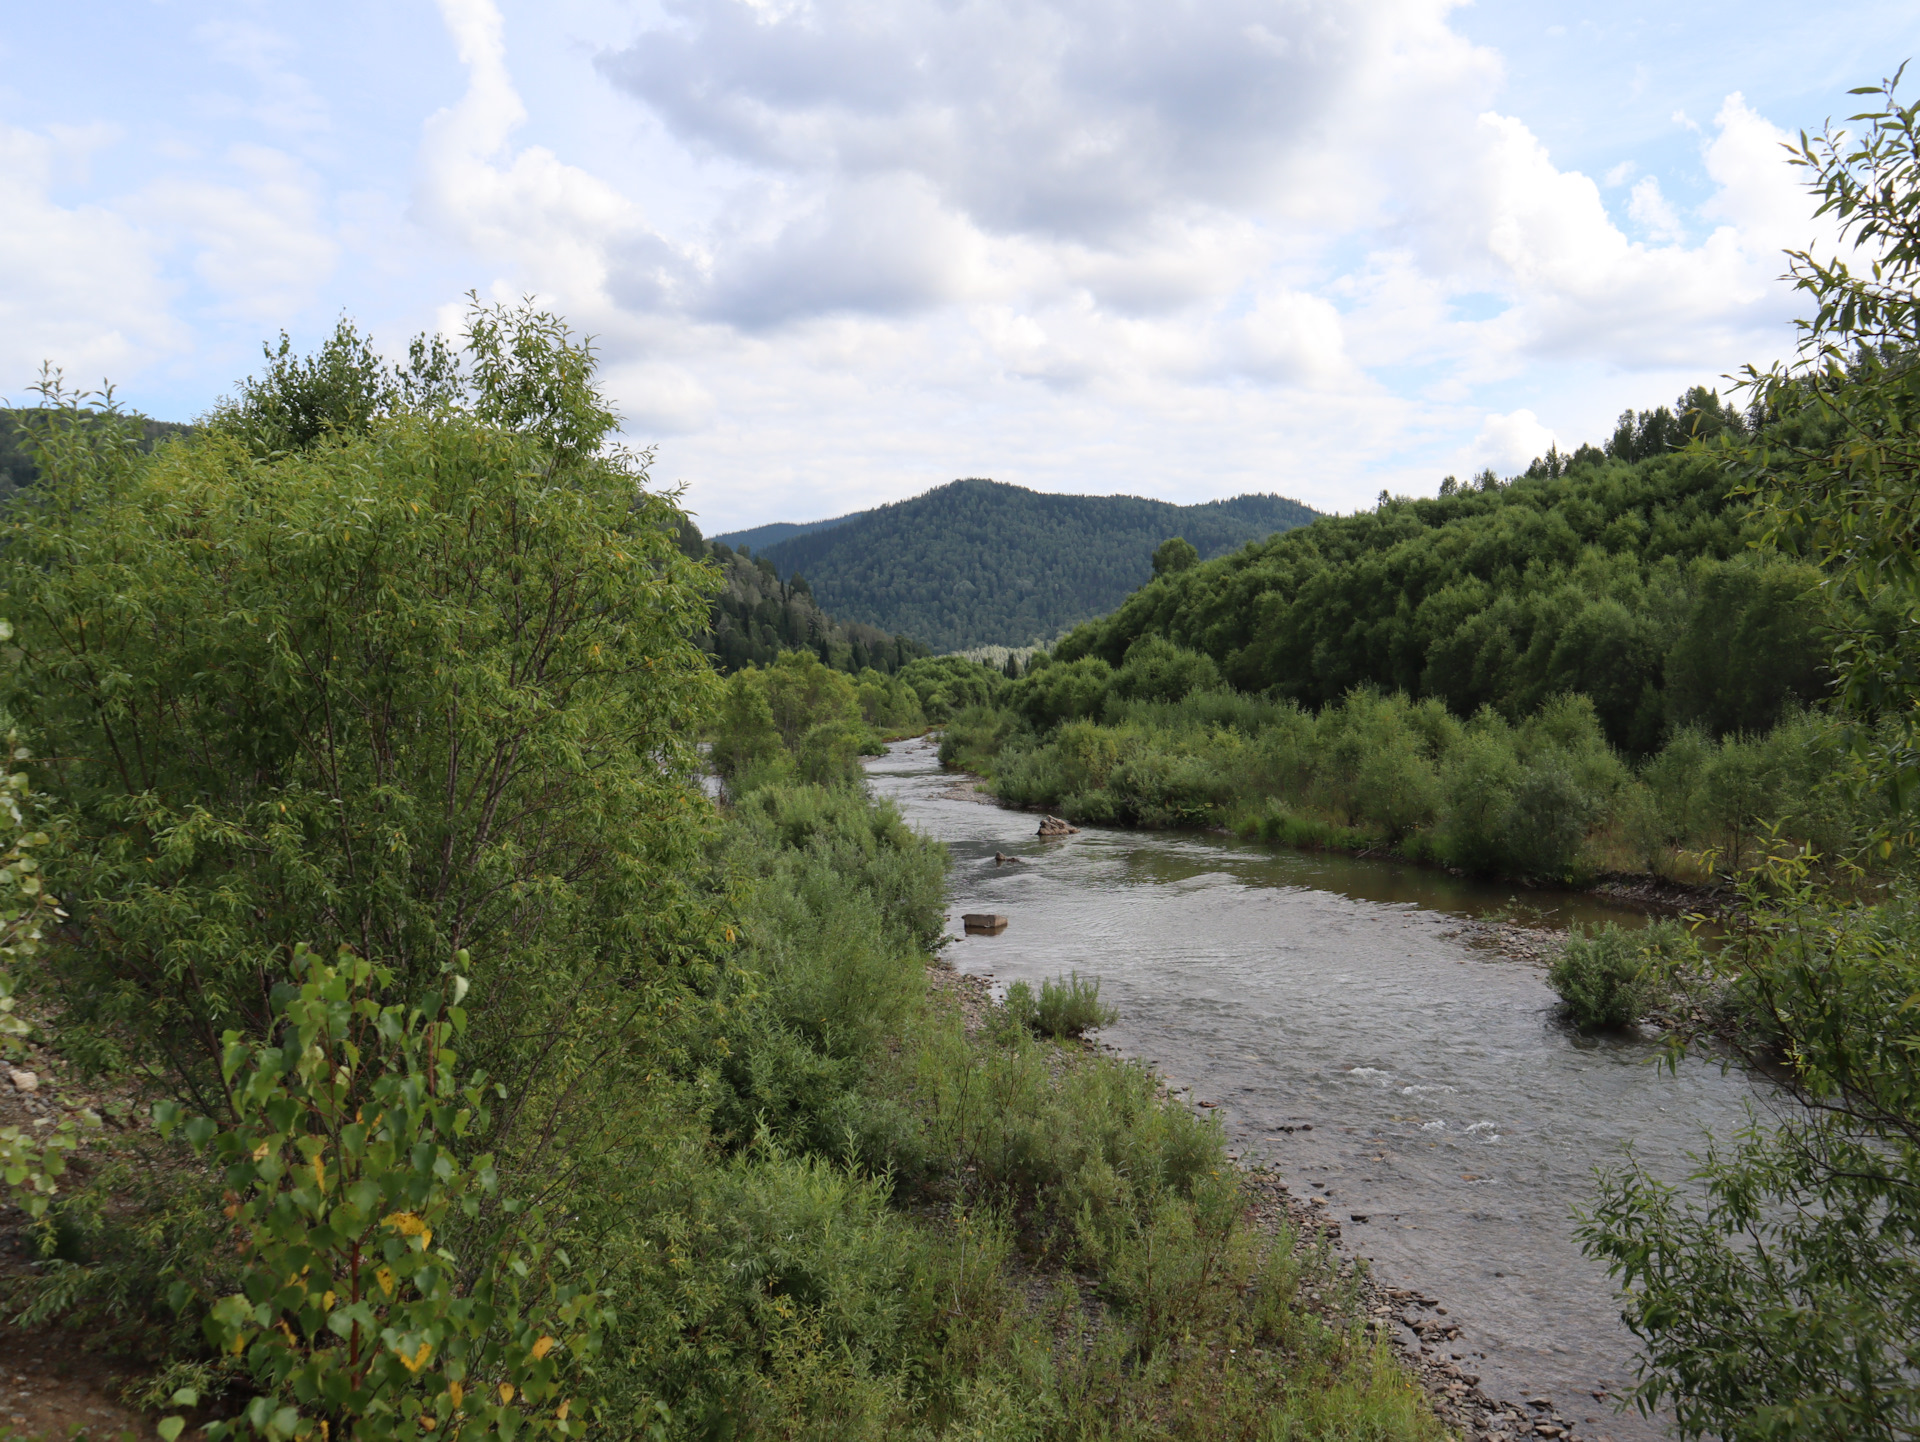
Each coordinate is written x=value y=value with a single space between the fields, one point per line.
x=1589 y=667
x=1626 y=573
x=977 y=562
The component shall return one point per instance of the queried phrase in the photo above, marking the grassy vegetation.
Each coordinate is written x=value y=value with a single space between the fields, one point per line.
x=1610 y=975
x=1066 y=1006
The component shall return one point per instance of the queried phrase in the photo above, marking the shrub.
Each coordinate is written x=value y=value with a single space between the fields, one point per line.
x=427 y=682
x=795 y=717
x=344 y=1158
x=889 y=704
x=1058 y=693
x=1599 y=976
x=946 y=685
x=1479 y=779
x=1157 y=670
x=975 y=739
x=1547 y=822
x=1066 y=1006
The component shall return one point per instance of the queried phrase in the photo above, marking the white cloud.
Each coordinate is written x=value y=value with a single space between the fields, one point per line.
x=1073 y=119
x=1651 y=212
x=83 y=286
x=841 y=251
x=285 y=99
x=1507 y=443
x=1222 y=223
x=260 y=239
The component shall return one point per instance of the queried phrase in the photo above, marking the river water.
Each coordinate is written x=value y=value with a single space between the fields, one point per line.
x=1360 y=1045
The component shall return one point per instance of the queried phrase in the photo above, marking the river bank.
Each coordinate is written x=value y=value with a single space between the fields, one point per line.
x=1374 y=1033
x=1659 y=895
x=1415 y=1325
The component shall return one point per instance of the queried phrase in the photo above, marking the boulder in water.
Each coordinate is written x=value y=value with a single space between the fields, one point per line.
x=1054 y=826
x=984 y=921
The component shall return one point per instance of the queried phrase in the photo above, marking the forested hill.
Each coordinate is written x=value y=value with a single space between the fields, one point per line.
x=759 y=537
x=1626 y=573
x=756 y=616
x=16 y=450
x=978 y=562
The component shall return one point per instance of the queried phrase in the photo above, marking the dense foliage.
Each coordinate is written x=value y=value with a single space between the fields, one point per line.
x=1156 y=743
x=977 y=562
x=387 y=663
x=422 y=683
x=346 y=1308
x=1626 y=575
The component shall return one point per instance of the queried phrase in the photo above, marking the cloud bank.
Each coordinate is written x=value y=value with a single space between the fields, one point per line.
x=836 y=251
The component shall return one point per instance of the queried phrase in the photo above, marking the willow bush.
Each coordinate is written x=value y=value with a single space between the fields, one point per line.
x=408 y=677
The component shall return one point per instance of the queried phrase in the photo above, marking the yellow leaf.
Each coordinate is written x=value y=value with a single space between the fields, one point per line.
x=417 y=1360
x=407 y=1224
x=326 y=1302
x=562 y=1410
x=506 y=1391
x=541 y=1348
x=456 y=1394
x=385 y=1278
x=319 y=1174
x=260 y=1152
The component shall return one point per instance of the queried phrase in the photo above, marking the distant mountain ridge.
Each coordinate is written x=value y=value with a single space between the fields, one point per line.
x=982 y=563
x=758 y=538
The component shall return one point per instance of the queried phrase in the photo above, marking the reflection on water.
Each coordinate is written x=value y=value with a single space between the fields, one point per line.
x=1448 y=1108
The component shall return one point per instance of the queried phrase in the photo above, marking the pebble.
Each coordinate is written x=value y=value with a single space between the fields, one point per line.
x=24 y=1081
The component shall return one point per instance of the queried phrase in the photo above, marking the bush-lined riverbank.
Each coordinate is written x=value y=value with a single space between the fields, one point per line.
x=1545 y=798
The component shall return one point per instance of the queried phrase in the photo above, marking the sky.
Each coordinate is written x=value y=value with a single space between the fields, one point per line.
x=836 y=252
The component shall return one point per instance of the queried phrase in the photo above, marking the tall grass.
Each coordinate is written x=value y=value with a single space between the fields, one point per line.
x=1066 y=1006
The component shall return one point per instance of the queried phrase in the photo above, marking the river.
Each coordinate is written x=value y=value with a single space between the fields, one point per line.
x=1353 y=1039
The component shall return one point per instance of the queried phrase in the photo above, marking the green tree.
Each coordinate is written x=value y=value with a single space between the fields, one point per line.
x=1157 y=670
x=1849 y=494
x=796 y=717
x=1174 y=555
x=1779 y=1296
x=428 y=681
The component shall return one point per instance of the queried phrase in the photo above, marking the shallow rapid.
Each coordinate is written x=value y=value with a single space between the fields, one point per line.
x=1356 y=1041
